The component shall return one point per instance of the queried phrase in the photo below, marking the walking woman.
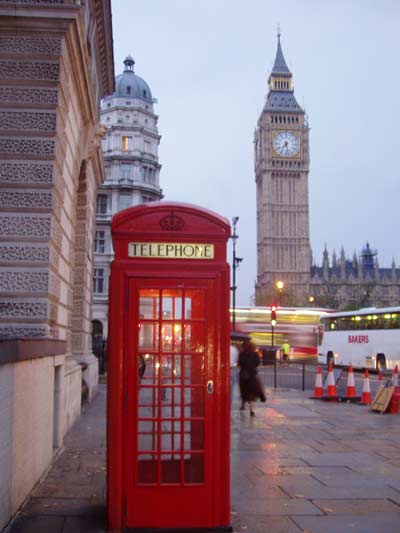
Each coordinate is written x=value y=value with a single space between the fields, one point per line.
x=250 y=385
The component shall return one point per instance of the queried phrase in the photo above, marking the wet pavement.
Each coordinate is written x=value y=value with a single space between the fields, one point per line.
x=298 y=465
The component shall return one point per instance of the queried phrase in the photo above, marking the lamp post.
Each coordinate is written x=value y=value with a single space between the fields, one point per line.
x=279 y=286
x=273 y=322
x=235 y=264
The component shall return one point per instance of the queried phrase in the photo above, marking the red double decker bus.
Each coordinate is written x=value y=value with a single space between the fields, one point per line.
x=299 y=326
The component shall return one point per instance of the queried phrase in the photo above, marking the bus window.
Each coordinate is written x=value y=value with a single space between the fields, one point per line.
x=395 y=321
x=330 y=324
x=381 y=322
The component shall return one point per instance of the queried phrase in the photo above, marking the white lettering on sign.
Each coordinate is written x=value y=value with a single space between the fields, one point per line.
x=358 y=338
x=171 y=250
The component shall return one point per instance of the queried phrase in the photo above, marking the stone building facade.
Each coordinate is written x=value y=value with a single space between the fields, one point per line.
x=130 y=147
x=343 y=283
x=282 y=166
x=56 y=63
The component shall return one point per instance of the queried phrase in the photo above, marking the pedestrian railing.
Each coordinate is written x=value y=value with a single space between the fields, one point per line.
x=301 y=375
x=291 y=375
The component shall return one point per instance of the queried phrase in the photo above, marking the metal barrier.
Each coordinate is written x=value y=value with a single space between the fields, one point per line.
x=300 y=375
x=291 y=375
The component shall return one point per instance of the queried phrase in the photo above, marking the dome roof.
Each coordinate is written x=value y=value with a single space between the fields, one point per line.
x=129 y=85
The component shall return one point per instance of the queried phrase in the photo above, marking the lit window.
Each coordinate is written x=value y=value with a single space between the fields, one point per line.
x=98 y=280
x=125 y=143
x=100 y=242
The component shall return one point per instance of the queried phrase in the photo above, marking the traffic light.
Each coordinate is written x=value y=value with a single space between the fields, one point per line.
x=273 y=313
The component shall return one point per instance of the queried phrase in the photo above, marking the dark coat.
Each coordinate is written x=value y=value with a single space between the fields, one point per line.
x=250 y=385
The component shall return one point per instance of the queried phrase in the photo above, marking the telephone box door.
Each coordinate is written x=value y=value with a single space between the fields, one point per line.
x=171 y=402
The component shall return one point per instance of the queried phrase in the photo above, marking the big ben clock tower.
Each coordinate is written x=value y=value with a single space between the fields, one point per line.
x=282 y=168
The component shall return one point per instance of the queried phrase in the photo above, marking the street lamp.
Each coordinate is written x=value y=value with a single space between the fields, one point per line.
x=235 y=263
x=279 y=286
x=311 y=299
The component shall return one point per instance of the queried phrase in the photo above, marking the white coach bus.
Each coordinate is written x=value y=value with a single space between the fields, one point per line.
x=366 y=338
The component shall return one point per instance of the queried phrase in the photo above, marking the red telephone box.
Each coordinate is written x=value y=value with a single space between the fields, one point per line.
x=168 y=370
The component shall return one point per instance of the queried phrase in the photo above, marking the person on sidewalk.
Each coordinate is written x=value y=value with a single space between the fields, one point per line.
x=234 y=355
x=250 y=385
x=285 y=351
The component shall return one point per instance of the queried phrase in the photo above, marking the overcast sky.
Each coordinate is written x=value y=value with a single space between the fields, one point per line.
x=207 y=62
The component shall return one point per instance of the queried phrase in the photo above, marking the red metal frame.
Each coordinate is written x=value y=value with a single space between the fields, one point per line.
x=205 y=502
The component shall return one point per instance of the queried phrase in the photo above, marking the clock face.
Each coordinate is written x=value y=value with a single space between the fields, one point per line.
x=286 y=144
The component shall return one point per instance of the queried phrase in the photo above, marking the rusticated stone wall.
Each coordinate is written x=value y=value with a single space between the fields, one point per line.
x=55 y=64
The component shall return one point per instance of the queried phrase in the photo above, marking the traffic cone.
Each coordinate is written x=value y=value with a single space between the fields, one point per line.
x=394 y=405
x=318 y=391
x=395 y=379
x=351 y=394
x=331 y=394
x=366 y=391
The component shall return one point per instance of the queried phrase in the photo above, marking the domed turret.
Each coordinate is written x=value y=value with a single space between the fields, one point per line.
x=130 y=85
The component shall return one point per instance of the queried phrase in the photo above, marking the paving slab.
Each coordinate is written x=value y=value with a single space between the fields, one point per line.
x=247 y=523
x=276 y=506
x=356 y=524
x=298 y=465
x=357 y=507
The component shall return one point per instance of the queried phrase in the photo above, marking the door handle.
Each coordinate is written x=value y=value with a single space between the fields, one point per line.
x=210 y=386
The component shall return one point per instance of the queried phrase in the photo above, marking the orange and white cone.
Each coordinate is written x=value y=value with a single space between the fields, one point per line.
x=331 y=393
x=366 y=398
x=351 y=393
x=318 y=391
x=395 y=380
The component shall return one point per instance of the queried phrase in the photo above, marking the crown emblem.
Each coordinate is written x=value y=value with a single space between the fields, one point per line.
x=172 y=222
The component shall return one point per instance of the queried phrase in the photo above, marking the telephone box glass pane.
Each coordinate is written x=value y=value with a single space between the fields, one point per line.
x=194 y=337
x=171 y=304
x=149 y=304
x=148 y=397
x=147 y=435
x=170 y=402
x=171 y=435
x=171 y=337
x=148 y=336
x=171 y=369
x=145 y=411
x=147 y=369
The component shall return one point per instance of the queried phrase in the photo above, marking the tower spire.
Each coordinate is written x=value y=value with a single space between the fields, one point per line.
x=280 y=80
x=280 y=67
